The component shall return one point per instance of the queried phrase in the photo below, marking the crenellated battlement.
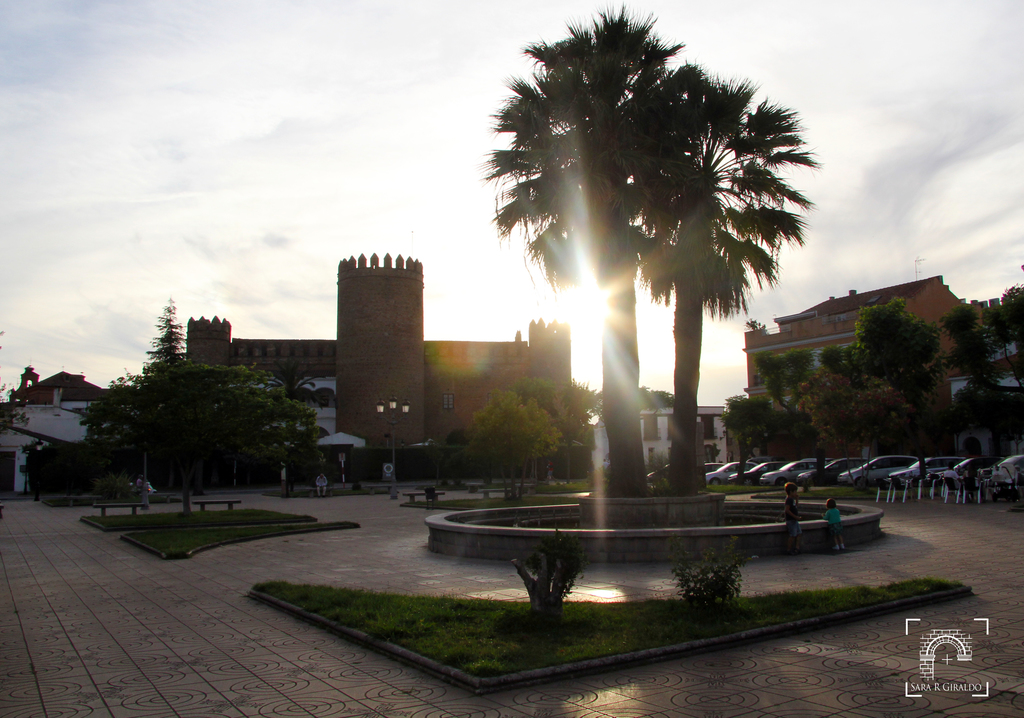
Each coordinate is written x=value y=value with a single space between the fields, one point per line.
x=374 y=262
x=208 y=341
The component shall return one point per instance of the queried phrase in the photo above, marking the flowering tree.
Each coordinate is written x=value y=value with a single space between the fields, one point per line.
x=844 y=414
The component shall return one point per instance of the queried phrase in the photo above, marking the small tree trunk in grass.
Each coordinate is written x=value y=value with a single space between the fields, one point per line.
x=545 y=591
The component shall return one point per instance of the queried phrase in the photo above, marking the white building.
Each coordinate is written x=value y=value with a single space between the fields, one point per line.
x=654 y=429
x=52 y=410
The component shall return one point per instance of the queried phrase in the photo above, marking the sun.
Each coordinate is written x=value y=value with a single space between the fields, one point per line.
x=585 y=308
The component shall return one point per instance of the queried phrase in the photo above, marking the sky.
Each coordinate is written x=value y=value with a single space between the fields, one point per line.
x=230 y=154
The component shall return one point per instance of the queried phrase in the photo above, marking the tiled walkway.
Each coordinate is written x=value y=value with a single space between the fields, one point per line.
x=90 y=626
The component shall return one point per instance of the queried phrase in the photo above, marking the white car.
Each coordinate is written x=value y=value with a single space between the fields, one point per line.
x=878 y=468
x=1010 y=469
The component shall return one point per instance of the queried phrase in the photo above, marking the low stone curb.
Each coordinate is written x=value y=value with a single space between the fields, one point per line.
x=521 y=679
x=216 y=525
x=242 y=539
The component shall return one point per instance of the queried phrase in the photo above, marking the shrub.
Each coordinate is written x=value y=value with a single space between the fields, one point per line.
x=564 y=548
x=709 y=579
x=113 y=486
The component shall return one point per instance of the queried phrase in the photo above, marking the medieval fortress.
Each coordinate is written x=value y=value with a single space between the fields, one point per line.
x=380 y=353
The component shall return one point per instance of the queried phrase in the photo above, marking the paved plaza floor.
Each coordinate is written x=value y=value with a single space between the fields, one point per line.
x=91 y=626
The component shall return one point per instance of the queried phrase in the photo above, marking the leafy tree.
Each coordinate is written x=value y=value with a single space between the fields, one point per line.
x=288 y=375
x=579 y=407
x=169 y=344
x=903 y=349
x=986 y=347
x=543 y=391
x=185 y=412
x=750 y=420
x=577 y=143
x=844 y=414
x=784 y=376
x=510 y=433
x=9 y=414
x=721 y=211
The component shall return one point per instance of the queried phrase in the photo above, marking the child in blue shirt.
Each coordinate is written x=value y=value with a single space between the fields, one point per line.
x=835 y=524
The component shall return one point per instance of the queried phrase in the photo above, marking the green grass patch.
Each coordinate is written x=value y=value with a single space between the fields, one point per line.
x=491 y=638
x=571 y=487
x=180 y=543
x=65 y=501
x=733 y=489
x=170 y=518
x=301 y=493
x=500 y=503
x=821 y=493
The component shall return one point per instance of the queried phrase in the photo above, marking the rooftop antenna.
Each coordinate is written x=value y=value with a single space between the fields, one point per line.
x=917 y=267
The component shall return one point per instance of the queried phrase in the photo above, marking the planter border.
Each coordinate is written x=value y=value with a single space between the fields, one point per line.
x=241 y=539
x=535 y=676
x=212 y=525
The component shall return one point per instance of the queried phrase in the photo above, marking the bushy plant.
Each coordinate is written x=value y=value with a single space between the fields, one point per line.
x=564 y=548
x=708 y=579
x=113 y=486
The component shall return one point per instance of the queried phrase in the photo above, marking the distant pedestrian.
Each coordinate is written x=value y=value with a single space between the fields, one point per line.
x=793 y=520
x=835 y=524
x=321 y=485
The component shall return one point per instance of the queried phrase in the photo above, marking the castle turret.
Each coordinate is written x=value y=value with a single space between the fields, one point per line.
x=208 y=342
x=550 y=351
x=380 y=345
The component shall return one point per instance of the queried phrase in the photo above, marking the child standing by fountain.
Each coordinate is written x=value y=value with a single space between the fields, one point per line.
x=792 y=520
x=835 y=524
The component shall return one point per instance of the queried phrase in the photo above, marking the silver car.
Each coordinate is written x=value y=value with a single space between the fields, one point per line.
x=878 y=468
x=787 y=473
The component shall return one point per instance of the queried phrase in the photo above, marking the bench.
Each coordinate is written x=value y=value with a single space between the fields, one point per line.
x=103 y=507
x=430 y=496
x=230 y=502
x=487 y=492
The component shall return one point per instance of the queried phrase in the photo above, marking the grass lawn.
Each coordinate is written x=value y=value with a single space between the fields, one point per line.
x=731 y=489
x=490 y=638
x=499 y=503
x=821 y=493
x=180 y=543
x=572 y=487
x=167 y=518
x=64 y=501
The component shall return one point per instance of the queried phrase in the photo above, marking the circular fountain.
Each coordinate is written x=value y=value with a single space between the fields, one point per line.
x=757 y=526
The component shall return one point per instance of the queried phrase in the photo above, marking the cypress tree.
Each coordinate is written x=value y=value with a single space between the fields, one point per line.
x=169 y=344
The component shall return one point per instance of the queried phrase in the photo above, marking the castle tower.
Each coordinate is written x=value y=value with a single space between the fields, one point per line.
x=550 y=352
x=208 y=342
x=380 y=346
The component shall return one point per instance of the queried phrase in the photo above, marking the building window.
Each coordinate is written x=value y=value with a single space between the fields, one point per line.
x=650 y=426
x=448 y=401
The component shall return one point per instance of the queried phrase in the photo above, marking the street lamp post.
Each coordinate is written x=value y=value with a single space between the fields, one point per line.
x=392 y=419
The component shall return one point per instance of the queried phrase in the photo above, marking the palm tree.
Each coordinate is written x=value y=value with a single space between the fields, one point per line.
x=568 y=182
x=297 y=386
x=722 y=213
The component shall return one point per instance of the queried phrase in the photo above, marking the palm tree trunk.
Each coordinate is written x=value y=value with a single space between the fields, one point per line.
x=620 y=360
x=688 y=326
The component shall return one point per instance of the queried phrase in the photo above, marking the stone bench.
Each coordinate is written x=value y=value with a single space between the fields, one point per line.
x=429 y=496
x=103 y=507
x=230 y=503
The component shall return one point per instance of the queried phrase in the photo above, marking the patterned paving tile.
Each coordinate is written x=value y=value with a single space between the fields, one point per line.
x=91 y=626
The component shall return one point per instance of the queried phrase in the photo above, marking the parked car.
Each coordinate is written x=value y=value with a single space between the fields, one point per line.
x=1010 y=469
x=662 y=473
x=932 y=465
x=979 y=463
x=831 y=472
x=753 y=475
x=721 y=474
x=787 y=472
x=708 y=468
x=878 y=468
